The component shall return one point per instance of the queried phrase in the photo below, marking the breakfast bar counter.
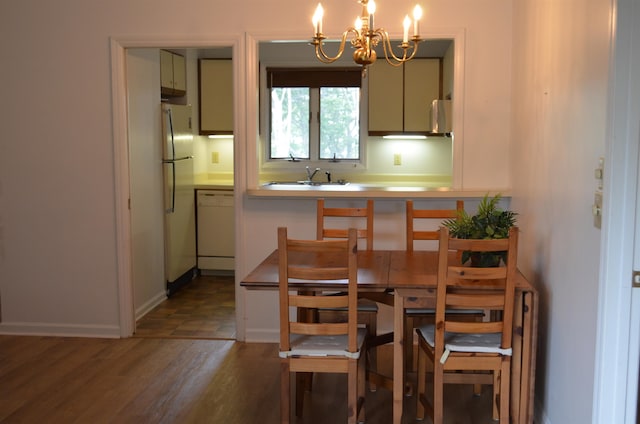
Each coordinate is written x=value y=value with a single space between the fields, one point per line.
x=367 y=191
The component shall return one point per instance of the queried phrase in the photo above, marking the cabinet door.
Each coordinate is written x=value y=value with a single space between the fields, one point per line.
x=385 y=98
x=179 y=74
x=166 y=72
x=173 y=80
x=421 y=87
x=216 y=96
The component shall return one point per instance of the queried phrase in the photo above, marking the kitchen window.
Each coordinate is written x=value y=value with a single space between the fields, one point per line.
x=314 y=114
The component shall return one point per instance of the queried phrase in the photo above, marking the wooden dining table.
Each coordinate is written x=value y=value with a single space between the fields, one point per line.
x=412 y=278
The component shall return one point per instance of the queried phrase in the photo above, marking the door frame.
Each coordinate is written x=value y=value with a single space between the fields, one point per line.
x=118 y=47
x=617 y=342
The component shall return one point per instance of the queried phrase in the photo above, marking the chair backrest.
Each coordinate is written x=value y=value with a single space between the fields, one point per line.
x=469 y=287
x=366 y=214
x=432 y=214
x=318 y=260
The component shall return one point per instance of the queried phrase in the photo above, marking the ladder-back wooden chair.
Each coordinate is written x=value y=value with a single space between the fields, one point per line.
x=418 y=316
x=331 y=223
x=482 y=350
x=326 y=231
x=311 y=347
x=327 y=227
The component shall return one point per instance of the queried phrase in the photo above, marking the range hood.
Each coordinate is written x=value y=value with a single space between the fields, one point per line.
x=441 y=116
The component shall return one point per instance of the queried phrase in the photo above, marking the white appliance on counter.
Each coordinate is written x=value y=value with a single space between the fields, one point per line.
x=216 y=238
x=179 y=205
x=441 y=115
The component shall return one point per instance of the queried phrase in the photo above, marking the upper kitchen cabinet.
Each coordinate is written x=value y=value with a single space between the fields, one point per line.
x=400 y=97
x=173 y=80
x=216 y=96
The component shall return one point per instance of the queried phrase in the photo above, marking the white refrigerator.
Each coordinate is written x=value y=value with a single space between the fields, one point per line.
x=179 y=198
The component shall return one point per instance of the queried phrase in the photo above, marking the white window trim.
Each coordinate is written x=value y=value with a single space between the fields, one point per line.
x=274 y=165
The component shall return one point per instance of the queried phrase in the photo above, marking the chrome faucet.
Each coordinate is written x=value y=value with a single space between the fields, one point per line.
x=311 y=174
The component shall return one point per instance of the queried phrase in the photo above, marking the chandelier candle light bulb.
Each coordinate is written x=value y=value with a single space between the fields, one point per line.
x=406 y=24
x=417 y=14
x=317 y=19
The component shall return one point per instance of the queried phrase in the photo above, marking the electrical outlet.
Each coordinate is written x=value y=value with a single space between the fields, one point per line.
x=215 y=157
x=397 y=159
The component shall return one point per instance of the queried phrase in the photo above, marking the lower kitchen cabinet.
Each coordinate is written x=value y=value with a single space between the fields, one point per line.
x=216 y=235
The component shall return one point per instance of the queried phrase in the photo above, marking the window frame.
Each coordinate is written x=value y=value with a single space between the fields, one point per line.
x=314 y=160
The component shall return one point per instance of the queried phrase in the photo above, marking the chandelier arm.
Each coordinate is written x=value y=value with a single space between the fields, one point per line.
x=322 y=55
x=390 y=57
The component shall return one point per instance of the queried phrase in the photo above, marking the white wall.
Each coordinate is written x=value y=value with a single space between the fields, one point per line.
x=58 y=170
x=560 y=73
x=58 y=251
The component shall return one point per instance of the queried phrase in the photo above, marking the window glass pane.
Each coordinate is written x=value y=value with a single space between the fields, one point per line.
x=289 y=122
x=339 y=122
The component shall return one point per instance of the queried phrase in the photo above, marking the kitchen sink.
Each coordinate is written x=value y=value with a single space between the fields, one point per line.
x=307 y=183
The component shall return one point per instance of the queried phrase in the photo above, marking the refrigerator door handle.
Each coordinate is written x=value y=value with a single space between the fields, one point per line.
x=176 y=159
x=173 y=186
x=173 y=145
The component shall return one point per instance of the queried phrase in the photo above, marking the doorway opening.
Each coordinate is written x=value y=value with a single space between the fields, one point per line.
x=143 y=282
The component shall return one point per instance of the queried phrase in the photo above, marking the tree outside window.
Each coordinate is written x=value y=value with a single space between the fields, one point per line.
x=314 y=114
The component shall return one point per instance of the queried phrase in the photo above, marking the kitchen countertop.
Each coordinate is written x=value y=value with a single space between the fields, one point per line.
x=206 y=182
x=368 y=191
x=352 y=190
x=213 y=185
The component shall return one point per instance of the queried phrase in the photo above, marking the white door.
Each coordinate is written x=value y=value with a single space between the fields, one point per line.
x=145 y=191
x=618 y=342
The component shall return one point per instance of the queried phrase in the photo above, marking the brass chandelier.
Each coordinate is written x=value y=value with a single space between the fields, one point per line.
x=366 y=37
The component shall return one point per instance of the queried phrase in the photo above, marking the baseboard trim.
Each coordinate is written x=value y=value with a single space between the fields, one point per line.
x=150 y=304
x=59 y=330
x=262 y=336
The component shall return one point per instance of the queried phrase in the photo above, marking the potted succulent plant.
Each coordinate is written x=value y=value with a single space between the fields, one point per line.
x=490 y=222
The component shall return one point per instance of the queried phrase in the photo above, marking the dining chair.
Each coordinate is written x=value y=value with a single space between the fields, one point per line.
x=333 y=222
x=416 y=233
x=327 y=227
x=482 y=350
x=311 y=347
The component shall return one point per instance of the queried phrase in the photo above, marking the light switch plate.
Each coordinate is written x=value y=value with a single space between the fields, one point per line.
x=597 y=209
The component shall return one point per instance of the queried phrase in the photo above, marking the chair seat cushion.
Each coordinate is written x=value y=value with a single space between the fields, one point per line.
x=463 y=342
x=305 y=345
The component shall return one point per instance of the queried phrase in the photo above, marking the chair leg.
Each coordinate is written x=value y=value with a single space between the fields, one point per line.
x=505 y=380
x=496 y=395
x=477 y=389
x=361 y=387
x=304 y=381
x=372 y=331
x=422 y=383
x=352 y=390
x=438 y=392
x=285 y=391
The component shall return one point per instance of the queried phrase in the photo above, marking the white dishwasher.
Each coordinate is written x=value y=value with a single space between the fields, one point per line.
x=216 y=236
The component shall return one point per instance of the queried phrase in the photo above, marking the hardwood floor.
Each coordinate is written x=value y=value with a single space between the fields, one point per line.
x=203 y=309
x=174 y=371
x=159 y=380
